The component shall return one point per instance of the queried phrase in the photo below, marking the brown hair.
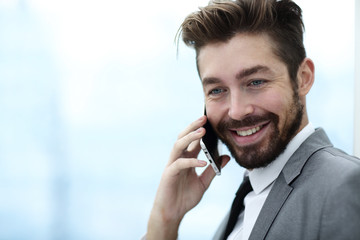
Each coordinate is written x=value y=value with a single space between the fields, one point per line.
x=221 y=20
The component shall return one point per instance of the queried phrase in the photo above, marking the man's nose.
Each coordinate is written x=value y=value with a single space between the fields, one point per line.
x=240 y=106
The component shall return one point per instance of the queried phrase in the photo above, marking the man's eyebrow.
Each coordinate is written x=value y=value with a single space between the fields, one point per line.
x=249 y=71
x=210 y=80
x=242 y=74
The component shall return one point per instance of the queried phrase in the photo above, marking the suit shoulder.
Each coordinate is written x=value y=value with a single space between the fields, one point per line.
x=331 y=167
x=335 y=158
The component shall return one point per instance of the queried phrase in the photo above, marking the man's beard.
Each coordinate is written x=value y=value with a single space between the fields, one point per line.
x=263 y=153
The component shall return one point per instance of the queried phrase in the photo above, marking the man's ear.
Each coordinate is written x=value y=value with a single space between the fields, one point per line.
x=306 y=75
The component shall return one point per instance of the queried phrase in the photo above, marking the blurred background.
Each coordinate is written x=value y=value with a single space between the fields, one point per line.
x=93 y=95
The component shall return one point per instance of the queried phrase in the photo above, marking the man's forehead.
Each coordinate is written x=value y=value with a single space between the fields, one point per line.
x=247 y=53
x=243 y=44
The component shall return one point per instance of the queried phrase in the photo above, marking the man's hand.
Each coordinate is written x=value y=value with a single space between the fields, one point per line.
x=181 y=188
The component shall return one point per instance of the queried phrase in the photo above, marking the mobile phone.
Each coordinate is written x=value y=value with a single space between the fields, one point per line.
x=209 y=144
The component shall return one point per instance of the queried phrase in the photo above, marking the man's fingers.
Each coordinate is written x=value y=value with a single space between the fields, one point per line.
x=194 y=147
x=181 y=145
x=193 y=126
x=186 y=163
x=191 y=134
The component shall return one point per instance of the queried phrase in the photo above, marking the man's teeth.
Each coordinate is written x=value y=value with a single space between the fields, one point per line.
x=248 y=132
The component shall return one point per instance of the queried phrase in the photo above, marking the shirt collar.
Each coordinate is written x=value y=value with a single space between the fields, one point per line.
x=261 y=178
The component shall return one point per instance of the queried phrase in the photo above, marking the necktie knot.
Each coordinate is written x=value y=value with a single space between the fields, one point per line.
x=244 y=188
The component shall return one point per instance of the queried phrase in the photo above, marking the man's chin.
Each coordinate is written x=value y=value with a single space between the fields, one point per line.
x=252 y=159
x=256 y=155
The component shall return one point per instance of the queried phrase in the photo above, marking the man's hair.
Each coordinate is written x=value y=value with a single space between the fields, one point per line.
x=222 y=20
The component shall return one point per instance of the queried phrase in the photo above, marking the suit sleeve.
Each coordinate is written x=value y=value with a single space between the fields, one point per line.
x=341 y=209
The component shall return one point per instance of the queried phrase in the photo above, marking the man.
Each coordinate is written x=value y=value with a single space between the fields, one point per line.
x=255 y=76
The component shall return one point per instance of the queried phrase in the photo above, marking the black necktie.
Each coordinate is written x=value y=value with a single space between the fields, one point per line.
x=238 y=205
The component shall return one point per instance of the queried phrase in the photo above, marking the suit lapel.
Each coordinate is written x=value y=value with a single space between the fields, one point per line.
x=282 y=188
x=275 y=200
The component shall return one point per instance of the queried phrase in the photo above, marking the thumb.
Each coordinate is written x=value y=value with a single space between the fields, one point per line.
x=208 y=175
x=224 y=160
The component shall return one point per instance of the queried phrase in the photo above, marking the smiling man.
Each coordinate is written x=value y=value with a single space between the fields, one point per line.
x=255 y=76
x=250 y=99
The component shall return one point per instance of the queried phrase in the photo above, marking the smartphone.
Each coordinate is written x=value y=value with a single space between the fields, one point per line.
x=209 y=144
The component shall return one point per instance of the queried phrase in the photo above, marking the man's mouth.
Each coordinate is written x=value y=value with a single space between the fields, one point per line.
x=249 y=135
x=251 y=131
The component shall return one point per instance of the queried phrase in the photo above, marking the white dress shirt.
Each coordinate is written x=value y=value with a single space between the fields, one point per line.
x=262 y=180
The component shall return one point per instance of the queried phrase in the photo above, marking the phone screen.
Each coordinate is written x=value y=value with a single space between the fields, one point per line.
x=209 y=144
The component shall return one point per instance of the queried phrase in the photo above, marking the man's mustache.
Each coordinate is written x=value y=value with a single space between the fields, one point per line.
x=248 y=121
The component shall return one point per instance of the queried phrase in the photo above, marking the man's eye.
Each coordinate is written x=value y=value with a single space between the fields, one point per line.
x=256 y=83
x=216 y=91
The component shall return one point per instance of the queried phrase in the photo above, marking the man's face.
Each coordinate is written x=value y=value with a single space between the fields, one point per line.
x=249 y=98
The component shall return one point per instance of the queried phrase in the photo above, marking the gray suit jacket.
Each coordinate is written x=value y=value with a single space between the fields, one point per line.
x=316 y=196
